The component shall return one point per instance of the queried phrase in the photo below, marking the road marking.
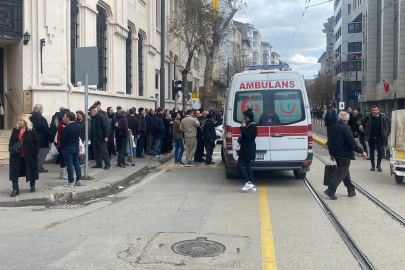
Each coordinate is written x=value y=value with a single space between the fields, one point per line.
x=195 y=167
x=268 y=253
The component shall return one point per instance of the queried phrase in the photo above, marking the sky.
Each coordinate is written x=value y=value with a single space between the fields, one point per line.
x=277 y=21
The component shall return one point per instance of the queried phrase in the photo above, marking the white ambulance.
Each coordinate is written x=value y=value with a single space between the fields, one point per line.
x=282 y=114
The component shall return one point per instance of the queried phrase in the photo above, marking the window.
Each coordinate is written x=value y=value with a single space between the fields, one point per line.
x=129 y=61
x=158 y=13
x=351 y=66
x=271 y=107
x=102 y=48
x=196 y=63
x=74 y=36
x=349 y=8
x=255 y=44
x=354 y=47
x=354 y=28
x=255 y=56
x=11 y=19
x=140 y=64
x=157 y=81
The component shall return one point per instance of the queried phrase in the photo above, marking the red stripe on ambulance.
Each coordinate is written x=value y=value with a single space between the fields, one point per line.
x=269 y=131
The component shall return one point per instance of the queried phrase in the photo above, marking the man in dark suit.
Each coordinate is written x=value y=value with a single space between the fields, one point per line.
x=100 y=132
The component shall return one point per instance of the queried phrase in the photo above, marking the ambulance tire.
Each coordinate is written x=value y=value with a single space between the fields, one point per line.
x=229 y=175
x=222 y=154
x=399 y=179
x=298 y=175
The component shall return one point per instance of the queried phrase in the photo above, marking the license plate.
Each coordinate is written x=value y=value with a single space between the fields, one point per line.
x=259 y=156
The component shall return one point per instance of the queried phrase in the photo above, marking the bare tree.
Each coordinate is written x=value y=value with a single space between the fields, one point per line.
x=184 y=28
x=214 y=26
x=322 y=89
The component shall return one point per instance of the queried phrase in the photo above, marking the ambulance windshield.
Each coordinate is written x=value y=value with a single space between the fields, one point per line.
x=270 y=107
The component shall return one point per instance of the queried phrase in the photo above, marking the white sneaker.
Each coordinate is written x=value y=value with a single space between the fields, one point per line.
x=249 y=187
x=187 y=164
x=68 y=184
x=79 y=183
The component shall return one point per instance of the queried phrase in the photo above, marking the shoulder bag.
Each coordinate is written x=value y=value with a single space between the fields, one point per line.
x=15 y=149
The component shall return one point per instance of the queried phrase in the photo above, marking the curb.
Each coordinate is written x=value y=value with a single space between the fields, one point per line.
x=62 y=197
x=320 y=141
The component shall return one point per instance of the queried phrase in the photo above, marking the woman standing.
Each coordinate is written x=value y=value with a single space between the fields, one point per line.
x=82 y=122
x=25 y=162
x=167 y=145
x=110 y=143
x=63 y=172
x=247 y=151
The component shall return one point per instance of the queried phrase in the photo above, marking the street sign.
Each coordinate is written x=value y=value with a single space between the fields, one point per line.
x=86 y=62
x=362 y=98
x=341 y=105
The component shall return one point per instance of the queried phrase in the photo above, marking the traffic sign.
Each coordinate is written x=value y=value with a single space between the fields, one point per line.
x=341 y=105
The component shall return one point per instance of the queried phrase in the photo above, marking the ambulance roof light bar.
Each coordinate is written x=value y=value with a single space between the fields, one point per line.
x=282 y=66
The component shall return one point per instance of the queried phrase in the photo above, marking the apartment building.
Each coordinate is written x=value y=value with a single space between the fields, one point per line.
x=266 y=53
x=257 y=48
x=326 y=58
x=38 y=66
x=274 y=58
x=383 y=52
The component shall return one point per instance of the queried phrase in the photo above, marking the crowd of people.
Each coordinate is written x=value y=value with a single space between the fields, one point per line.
x=153 y=132
x=342 y=129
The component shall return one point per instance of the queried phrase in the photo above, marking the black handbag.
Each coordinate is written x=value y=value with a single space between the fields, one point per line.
x=15 y=149
x=330 y=172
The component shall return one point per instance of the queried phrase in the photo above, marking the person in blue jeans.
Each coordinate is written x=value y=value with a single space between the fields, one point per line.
x=178 y=137
x=69 y=143
x=159 y=132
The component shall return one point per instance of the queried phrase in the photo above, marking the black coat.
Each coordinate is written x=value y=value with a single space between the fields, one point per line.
x=143 y=123
x=209 y=131
x=353 y=123
x=341 y=143
x=101 y=127
x=31 y=148
x=123 y=132
x=159 y=130
x=247 y=150
x=41 y=127
x=149 y=123
x=54 y=125
x=167 y=144
x=330 y=118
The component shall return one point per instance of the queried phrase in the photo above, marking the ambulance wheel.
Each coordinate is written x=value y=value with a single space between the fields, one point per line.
x=298 y=175
x=229 y=175
x=399 y=179
x=222 y=155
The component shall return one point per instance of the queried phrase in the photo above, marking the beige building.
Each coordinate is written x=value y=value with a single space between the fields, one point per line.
x=127 y=34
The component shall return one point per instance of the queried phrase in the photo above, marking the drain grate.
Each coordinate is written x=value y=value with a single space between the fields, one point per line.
x=199 y=247
x=67 y=206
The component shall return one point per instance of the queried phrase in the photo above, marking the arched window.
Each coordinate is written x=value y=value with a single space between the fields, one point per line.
x=102 y=48
x=140 y=64
x=129 y=61
x=74 y=36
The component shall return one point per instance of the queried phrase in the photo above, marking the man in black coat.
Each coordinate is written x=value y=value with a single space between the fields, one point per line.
x=100 y=132
x=341 y=145
x=354 y=117
x=209 y=137
x=198 y=156
x=330 y=118
x=149 y=130
x=121 y=136
x=142 y=137
x=44 y=135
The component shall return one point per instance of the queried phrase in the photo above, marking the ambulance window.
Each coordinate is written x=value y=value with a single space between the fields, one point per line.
x=245 y=100
x=271 y=107
x=289 y=106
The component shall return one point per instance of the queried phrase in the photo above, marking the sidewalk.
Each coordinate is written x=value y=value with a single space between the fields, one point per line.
x=49 y=189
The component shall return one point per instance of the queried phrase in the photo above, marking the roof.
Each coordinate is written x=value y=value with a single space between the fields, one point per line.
x=275 y=54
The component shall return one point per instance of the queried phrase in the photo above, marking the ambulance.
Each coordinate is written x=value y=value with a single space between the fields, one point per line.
x=281 y=111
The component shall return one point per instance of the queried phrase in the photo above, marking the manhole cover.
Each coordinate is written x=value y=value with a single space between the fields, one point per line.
x=199 y=247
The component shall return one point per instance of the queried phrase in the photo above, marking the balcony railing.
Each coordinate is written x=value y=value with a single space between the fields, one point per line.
x=11 y=19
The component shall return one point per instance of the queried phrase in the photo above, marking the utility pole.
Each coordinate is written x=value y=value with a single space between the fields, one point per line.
x=162 y=54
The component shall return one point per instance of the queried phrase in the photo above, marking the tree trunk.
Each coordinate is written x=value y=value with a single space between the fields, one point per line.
x=184 y=85
x=209 y=68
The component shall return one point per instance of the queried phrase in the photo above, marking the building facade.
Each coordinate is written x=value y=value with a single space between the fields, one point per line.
x=275 y=58
x=127 y=34
x=257 y=48
x=326 y=58
x=266 y=53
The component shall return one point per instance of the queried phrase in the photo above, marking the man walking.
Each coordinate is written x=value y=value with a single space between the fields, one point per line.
x=142 y=138
x=121 y=136
x=189 y=127
x=149 y=130
x=376 y=133
x=330 y=119
x=198 y=157
x=100 y=132
x=209 y=138
x=44 y=135
x=354 y=117
x=341 y=145
x=178 y=137
x=69 y=144
x=159 y=132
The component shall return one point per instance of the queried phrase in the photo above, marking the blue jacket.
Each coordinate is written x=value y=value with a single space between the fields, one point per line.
x=159 y=130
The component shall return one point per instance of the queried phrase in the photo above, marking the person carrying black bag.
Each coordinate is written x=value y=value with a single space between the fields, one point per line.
x=247 y=151
x=24 y=148
x=341 y=145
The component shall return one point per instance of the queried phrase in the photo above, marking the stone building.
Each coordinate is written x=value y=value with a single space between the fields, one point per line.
x=127 y=34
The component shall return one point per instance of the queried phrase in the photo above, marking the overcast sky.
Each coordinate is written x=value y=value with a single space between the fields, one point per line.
x=277 y=21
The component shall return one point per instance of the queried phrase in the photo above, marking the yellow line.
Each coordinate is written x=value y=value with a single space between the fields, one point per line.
x=184 y=167
x=320 y=140
x=268 y=253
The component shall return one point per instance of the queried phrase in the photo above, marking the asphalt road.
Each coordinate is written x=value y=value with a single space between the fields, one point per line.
x=280 y=226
